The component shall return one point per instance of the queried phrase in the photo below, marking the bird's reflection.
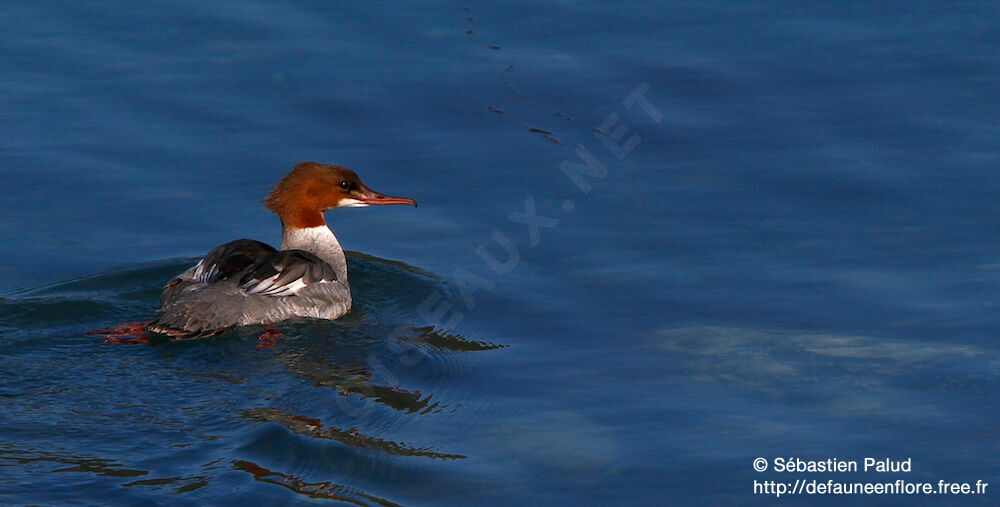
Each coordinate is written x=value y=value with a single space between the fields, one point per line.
x=448 y=340
x=314 y=428
x=360 y=367
x=66 y=462
x=376 y=356
x=75 y=463
x=351 y=355
x=323 y=490
x=357 y=379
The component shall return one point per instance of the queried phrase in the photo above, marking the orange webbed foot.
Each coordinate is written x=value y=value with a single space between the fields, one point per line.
x=129 y=333
x=269 y=338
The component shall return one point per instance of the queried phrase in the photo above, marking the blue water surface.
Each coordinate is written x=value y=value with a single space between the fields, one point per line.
x=655 y=241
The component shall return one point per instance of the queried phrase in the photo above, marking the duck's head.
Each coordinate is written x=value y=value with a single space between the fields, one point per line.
x=311 y=188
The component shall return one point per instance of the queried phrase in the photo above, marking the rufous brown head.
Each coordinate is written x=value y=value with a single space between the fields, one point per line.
x=311 y=188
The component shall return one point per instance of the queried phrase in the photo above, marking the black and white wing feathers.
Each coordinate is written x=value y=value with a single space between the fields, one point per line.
x=229 y=259
x=286 y=273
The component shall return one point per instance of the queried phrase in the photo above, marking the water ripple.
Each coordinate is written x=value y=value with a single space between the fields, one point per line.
x=324 y=490
x=310 y=427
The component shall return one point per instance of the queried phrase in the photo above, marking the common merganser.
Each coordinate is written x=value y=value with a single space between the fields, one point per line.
x=246 y=282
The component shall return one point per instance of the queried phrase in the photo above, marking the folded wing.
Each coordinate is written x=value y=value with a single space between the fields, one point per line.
x=287 y=273
x=229 y=259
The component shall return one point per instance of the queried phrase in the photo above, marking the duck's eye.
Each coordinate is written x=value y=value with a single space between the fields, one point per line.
x=345 y=185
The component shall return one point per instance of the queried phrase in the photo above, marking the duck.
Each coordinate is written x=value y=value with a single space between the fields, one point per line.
x=247 y=282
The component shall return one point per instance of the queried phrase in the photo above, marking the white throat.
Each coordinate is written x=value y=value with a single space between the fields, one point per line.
x=320 y=241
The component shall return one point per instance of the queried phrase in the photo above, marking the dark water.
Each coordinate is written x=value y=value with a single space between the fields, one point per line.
x=795 y=256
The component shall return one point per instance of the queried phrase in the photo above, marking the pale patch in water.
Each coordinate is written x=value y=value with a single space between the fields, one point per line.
x=561 y=439
x=841 y=372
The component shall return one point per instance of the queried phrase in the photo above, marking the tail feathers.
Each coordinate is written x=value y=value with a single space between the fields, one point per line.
x=163 y=326
x=196 y=310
